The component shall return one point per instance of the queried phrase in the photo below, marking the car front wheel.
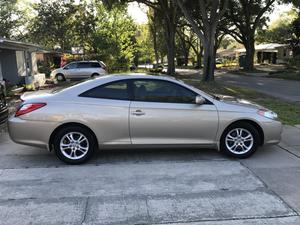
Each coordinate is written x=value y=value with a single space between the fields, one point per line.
x=60 y=77
x=240 y=140
x=74 y=145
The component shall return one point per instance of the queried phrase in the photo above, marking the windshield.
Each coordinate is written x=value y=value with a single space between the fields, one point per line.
x=196 y=89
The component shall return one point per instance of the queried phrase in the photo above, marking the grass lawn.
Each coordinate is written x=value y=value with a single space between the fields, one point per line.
x=288 y=112
x=286 y=75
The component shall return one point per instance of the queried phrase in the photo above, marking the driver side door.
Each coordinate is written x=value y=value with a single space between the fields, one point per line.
x=164 y=112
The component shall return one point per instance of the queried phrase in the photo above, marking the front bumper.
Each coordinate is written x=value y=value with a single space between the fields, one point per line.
x=272 y=132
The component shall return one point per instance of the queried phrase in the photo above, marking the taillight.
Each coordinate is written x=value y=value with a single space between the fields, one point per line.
x=29 y=107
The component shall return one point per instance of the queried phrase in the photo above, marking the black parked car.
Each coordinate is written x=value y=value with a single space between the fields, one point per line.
x=3 y=105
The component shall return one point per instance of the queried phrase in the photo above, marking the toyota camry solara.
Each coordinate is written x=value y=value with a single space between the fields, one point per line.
x=126 y=111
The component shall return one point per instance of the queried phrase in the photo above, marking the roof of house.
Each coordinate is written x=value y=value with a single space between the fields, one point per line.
x=268 y=47
x=17 y=45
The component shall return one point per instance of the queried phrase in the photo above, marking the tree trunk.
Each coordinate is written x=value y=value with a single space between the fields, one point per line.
x=186 y=58
x=155 y=50
x=170 y=41
x=250 y=51
x=154 y=34
x=199 y=57
x=199 y=61
x=162 y=58
x=170 y=29
x=185 y=47
x=209 y=58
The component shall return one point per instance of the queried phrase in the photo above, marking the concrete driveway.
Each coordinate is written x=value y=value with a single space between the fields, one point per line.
x=151 y=186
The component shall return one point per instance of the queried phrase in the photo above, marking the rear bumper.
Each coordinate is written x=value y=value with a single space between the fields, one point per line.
x=34 y=133
x=272 y=132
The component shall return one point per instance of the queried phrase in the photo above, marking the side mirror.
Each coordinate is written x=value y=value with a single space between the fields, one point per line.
x=66 y=68
x=200 y=100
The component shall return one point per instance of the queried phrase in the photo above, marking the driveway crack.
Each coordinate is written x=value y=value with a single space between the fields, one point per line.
x=85 y=210
x=271 y=191
x=285 y=149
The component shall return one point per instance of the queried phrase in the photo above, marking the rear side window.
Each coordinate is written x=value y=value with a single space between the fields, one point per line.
x=95 y=65
x=116 y=90
x=84 y=65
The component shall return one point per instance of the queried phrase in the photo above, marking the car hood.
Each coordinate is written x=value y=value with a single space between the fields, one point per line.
x=55 y=71
x=58 y=69
x=238 y=102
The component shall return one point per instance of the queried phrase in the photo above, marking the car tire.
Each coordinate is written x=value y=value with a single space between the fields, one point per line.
x=95 y=75
x=60 y=77
x=74 y=145
x=240 y=140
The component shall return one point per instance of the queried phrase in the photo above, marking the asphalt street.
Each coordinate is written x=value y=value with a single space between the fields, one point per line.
x=182 y=186
x=284 y=89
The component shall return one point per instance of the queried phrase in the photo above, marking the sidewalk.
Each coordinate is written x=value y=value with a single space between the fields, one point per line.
x=291 y=139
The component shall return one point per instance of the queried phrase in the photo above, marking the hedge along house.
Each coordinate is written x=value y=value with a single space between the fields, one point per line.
x=18 y=65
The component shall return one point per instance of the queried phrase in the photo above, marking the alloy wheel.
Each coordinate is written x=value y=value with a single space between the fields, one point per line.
x=74 y=145
x=239 y=141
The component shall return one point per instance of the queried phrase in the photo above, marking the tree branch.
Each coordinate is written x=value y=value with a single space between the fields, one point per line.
x=190 y=19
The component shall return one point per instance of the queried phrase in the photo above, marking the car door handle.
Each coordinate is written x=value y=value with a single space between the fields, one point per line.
x=138 y=113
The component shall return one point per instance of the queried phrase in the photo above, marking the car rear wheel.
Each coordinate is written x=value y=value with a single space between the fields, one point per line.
x=60 y=77
x=74 y=145
x=95 y=75
x=240 y=140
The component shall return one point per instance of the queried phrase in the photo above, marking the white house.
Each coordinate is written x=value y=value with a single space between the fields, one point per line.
x=271 y=53
x=18 y=63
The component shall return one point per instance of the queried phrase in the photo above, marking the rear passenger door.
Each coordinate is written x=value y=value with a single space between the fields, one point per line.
x=85 y=69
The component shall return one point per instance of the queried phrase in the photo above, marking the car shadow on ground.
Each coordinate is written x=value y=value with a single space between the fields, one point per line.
x=13 y=156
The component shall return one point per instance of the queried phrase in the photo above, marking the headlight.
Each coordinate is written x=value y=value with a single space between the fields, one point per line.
x=268 y=114
x=52 y=73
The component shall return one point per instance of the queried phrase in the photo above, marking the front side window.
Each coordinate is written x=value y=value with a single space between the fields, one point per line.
x=115 y=90
x=162 y=91
x=71 y=66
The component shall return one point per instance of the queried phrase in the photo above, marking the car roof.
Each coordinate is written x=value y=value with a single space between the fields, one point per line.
x=86 y=61
x=115 y=77
x=137 y=76
x=92 y=83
